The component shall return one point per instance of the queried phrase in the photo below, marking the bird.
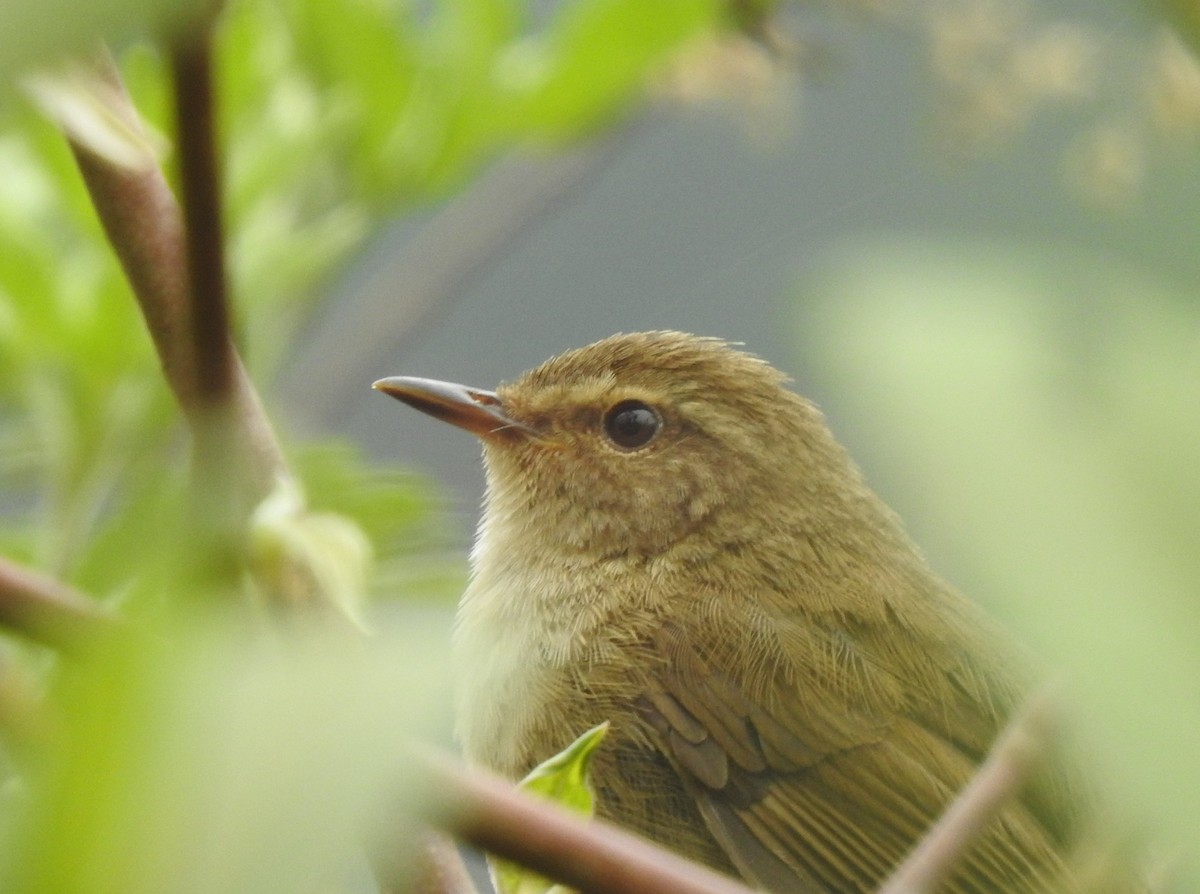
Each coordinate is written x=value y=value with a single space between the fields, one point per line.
x=673 y=541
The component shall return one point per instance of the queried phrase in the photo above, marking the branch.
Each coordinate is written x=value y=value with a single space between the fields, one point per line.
x=48 y=611
x=220 y=500
x=145 y=226
x=237 y=460
x=212 y=350
x=592 y=857
x=1009 y=764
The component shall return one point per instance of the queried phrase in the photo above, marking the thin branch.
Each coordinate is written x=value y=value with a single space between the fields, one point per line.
x=239 y=462
x=592 y=857
x=144 y=224
x=195 y=113
x=1008 y=766
x=219 y=498
x=47 y=611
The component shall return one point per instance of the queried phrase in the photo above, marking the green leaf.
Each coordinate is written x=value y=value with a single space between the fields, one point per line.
x=36 y=33
x=595 y=56
x=319 y=557
x=563 y=779
x=83 y=107
x=203 y=758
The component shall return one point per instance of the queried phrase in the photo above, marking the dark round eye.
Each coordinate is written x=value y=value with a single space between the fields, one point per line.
x=632 y=424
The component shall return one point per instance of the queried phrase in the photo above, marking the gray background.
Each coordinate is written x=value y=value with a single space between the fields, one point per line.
x=706 y=220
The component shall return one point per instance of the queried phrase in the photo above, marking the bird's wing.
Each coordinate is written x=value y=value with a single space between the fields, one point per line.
x=820 y=778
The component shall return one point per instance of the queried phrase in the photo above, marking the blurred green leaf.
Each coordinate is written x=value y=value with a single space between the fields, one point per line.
x=592 y=57
x=1185 y=16
x=1042 y=408
x=214 y=760
x=36 y=33
x=287 y=540
x=394 y=508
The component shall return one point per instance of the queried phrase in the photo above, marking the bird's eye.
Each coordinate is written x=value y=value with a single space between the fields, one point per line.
x=632 y=424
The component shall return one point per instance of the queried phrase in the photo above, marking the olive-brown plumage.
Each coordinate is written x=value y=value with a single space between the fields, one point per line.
x=674 y=542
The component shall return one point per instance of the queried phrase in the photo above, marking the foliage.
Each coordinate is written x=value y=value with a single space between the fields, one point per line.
x=1042 y=427
x=198 y=750
x=337 y=114
x=211 y=751
x=207 y=762
x=562 y=778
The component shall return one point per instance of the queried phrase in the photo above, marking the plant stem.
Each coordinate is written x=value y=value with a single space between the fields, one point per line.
x=146 y=229
x=1008 y=766
x=592 y=857
x=48 y=611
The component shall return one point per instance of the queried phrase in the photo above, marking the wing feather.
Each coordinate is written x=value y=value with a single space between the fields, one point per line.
x=822 y=781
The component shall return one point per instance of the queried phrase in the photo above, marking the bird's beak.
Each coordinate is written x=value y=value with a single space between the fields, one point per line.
x=479 y=412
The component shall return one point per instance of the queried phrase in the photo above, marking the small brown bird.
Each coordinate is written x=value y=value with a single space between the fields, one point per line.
x=674 y=542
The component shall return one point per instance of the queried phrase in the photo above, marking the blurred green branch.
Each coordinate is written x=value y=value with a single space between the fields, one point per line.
x=47 y=610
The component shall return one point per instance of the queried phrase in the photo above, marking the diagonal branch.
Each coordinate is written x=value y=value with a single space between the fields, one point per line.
x=592 y=857
x=144 y=223
x=1009 y=764
x=48 y=611
x=237 y=461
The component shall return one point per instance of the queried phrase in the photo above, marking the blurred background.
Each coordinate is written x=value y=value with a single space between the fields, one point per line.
x=967 y=228
x=864 y=163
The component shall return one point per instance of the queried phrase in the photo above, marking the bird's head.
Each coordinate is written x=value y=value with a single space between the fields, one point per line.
x=629 y=445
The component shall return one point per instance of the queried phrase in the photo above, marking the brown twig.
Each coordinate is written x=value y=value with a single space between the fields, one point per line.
x=146 y=229
x=1009 y=764
x=590 y=856
x=220 y=498
x=238 y=461
x=48 y=611
x=212 y=349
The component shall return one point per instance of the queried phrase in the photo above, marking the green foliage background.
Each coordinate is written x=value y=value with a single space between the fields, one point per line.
x=229 y=761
